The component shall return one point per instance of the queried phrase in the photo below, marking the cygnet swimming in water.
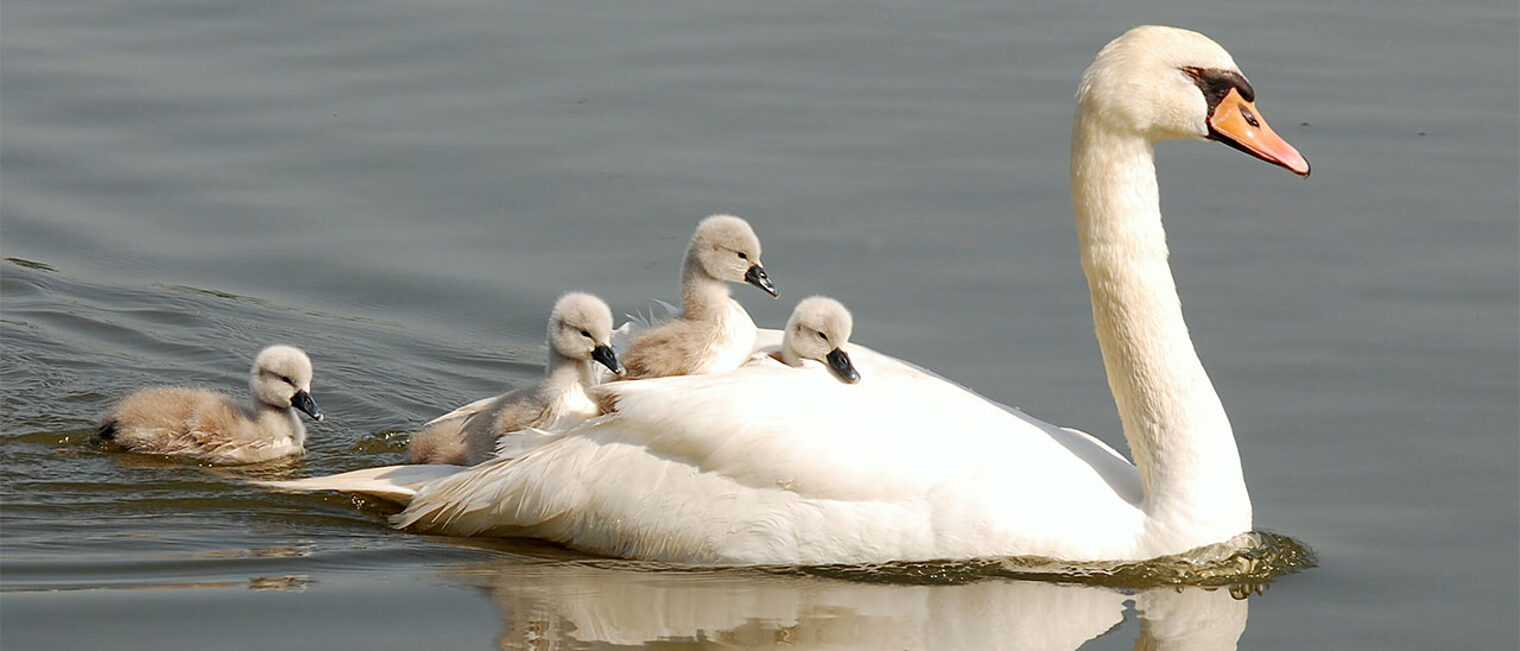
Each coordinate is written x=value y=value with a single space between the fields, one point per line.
x=818 y=330
x=713 y=332
x=213 y=427
x=580 y=329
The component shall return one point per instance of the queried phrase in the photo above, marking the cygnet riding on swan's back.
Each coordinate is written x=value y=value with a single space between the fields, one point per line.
x=767 y=465
x=713 y=332
x=818 y=330
x=211 y=426
x=580 y=330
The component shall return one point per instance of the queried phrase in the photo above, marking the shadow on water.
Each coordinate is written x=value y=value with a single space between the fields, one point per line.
x=991 y=604
x=1193 y=600
x=1244 y=565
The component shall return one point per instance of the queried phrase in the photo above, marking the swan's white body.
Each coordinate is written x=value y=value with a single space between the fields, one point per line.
x=772 y=464
x=698 y=469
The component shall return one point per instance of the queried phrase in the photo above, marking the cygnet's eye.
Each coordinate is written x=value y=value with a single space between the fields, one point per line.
x=287 y=380
x=823 y=336
x=586 y=334
x=742 y=256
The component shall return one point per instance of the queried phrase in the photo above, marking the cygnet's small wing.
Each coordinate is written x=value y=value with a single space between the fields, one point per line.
x=466 y=411
x=659 y=312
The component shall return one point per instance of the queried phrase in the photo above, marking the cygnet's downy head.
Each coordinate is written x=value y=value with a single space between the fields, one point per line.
x=818 y=330
x=580 y=328
x=728 y=250
x=281 y=378
x=1165 y=83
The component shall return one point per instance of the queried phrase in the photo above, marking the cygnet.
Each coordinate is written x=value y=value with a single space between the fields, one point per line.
x=713 y=333
x=818 y=330
x=580 y=330
x=212 y=427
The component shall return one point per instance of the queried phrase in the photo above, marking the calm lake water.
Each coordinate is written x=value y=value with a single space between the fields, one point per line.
x=403 y=188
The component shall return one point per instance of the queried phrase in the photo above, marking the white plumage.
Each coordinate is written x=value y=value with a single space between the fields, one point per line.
x=714 y=470
x=773 y=464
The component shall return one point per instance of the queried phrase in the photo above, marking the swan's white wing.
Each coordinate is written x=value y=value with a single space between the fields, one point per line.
x=516 y=444
x=771 y=464
x=1117 y=469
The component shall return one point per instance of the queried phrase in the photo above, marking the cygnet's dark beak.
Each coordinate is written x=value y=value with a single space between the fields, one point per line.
x=756 y=276
x=840 y=363
x=603 y=355
x=302 y=401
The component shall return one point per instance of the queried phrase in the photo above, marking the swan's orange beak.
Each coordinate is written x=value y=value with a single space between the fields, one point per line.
x=1236 y=123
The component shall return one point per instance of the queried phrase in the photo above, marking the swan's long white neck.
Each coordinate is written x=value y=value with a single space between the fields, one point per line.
x=1177 y=430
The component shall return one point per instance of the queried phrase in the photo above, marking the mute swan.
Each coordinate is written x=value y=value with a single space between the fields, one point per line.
x=818 y=330
x=713 y=332
x=211 y=426
x=766 y=465
x=579 y=332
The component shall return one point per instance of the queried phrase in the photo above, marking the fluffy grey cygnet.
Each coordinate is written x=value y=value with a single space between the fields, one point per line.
x=213 y=427
x=713 y=332
x=818 y=330
x=580 y=332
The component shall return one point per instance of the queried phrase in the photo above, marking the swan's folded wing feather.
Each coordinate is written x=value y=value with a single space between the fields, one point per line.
x=817 y=436
x=500 y=496
x=1116 y=470
x=518 y=443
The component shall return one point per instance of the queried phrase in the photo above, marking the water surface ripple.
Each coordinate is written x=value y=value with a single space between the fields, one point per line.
x=403 y=189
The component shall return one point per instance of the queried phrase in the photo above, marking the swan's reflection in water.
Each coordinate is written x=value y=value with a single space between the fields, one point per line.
x=573 y=606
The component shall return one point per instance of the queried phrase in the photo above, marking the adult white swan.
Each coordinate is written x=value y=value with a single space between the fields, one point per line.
x=770 y=464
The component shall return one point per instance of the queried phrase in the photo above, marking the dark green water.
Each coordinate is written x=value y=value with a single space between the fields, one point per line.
x=403 y=189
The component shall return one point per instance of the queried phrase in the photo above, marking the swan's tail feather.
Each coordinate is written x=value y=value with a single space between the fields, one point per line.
x=397 y=484
x=446 y=502
x=502 y=496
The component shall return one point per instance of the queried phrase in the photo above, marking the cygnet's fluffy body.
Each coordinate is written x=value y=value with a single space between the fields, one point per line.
x=818 y=330
x=212 y=427
x=713 y=333
x=579 y=332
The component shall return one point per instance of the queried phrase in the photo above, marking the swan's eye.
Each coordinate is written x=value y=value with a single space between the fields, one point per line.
x=742 y=256
x=585 y=334
x=287 y=380
x=823 y=336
